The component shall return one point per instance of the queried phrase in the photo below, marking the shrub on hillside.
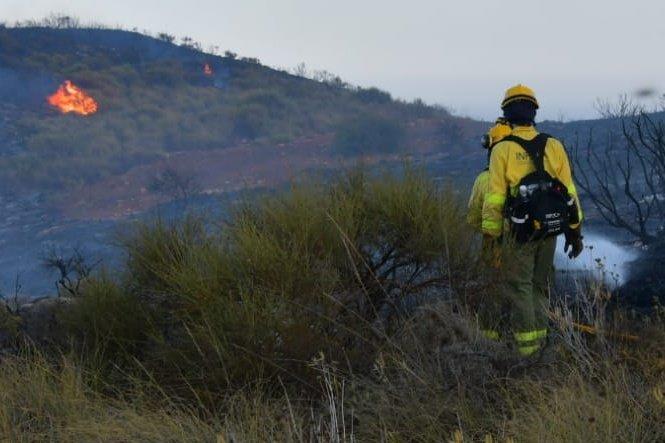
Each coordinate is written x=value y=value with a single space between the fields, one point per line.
x=250 y=121
x=315 y=270
x=369 y=134
x=166 y=73
x=436 y=380
x=373 y=95
x=108 y=324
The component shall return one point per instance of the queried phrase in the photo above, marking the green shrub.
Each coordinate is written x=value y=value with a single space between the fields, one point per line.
x=369 y=134
x=373 y=95
x=168 y=73
x=436 y=380
x=290 y=276
x=250 y=121
x=107 y=324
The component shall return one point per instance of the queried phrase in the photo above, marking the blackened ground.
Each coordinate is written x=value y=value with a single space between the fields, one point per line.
x=29 y=232
x=646 y=286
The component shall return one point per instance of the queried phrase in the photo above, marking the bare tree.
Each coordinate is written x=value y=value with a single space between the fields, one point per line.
x=623 y=173
x=251 y=60
x=300 y=70
x=166 y=37
x=175 y=184
x=72 y=270
x=190 y=43
x=13 y=305
x=61 y=21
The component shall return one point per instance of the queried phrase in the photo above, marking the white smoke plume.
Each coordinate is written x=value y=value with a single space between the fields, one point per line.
x=602 y=258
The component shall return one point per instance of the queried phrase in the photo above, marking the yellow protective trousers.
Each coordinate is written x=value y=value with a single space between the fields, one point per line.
x=518 y=308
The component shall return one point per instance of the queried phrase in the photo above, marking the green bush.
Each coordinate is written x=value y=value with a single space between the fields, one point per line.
x=250 y=121
x=108 y=325
x=374 y=95
x=369 y=134
x=289 y=277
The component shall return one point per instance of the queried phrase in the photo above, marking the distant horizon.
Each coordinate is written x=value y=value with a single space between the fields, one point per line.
x=451 y=56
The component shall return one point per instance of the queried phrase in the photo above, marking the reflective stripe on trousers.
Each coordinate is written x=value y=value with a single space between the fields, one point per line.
x=529 y=342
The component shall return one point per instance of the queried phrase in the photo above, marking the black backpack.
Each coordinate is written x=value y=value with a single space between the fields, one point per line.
x=542 y=206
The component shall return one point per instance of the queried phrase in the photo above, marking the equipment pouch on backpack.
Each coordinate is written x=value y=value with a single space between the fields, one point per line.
x=542 y=206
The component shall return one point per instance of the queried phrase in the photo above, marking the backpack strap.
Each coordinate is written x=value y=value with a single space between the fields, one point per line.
x=535 y=148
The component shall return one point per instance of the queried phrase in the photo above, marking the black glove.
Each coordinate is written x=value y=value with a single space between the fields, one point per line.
x=574 y=242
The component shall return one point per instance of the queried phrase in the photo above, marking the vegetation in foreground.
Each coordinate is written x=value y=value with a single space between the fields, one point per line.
x=327 y=313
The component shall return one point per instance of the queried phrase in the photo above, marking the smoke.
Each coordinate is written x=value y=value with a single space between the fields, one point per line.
x=602 y=258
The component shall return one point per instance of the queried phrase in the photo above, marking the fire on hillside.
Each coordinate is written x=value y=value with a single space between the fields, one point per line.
x=71 y=98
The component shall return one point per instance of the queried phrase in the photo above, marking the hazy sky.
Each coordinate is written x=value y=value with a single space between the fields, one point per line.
x=461 y=54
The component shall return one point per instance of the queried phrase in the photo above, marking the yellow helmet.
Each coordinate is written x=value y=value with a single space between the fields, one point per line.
x=519 y=92
x=496 y=133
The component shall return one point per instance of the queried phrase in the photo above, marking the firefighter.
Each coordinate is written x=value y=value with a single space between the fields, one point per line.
x=526 y=268
x=489 y=308
x=474 y=217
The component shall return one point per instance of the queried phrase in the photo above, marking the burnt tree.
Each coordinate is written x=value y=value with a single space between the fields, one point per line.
x=175 y=185
x=73 y=270
x=623 y=173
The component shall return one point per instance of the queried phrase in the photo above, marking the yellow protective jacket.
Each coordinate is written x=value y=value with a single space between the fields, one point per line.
x=475 y=214
x=509 y=163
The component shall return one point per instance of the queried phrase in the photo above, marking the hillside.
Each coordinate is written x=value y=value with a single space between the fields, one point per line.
x=221 y=123
x=156 y=98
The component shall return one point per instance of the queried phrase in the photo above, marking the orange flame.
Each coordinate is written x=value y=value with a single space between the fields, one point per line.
x=71 y=98
x=207 y=69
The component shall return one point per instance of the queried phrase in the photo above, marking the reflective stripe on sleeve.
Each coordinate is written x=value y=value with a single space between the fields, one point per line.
x=495 y=199
x=572 y=189
x=492 y=225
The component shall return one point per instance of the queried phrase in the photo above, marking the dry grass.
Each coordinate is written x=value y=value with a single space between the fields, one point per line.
x=436 y=380
x=43 y=401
